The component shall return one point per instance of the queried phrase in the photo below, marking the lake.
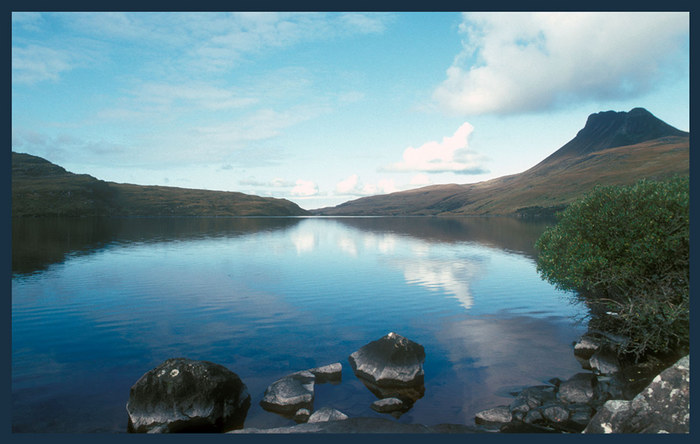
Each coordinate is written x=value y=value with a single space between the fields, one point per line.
x=96 y=303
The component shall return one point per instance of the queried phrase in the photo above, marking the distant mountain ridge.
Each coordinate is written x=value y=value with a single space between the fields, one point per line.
x=615 y=148
x=611 y=129
x=41 y=188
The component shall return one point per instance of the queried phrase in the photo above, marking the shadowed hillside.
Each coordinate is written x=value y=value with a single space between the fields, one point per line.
x=40 y=188
x=614 y=148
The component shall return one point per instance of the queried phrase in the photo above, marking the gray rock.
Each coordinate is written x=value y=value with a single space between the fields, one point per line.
x=183 y=395
x=328 y=373
x=388 y=405
x=555 y=412
x=579 y=389
x=613 y=412
x=496 y=415
x=326 y=414
x=581 y=414
x=302 y=415
x=533 y=416
x=390 y=361
x=584 y=349
x=289 y=394
x=662 y=407
x=532 y=397
x=604 y=362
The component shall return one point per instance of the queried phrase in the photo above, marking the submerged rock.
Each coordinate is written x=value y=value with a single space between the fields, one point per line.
x=291 y=393
x=390 y=361
x=182 y=395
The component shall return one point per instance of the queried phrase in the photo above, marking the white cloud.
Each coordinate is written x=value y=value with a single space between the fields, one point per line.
x=519 y=62
x=452 y=154
x=304 y=188
x=352 y=186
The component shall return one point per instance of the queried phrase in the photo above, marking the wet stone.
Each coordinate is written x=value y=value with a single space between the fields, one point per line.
x=496 y=415
x=388 y=405
x=289 y=394
x=554 y=412
x=328 y=373
x=579 y=389
x=326 y=414
x=390 y=361
x=187 y=396
x=302 y=415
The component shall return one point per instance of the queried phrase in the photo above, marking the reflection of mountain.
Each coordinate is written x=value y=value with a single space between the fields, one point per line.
x=39 y=242
x=507 y=233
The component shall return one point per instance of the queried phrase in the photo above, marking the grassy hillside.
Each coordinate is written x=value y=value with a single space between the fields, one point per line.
x=567 y=174
x=40 y=188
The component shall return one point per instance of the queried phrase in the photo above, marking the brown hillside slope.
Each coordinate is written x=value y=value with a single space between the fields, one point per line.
x=40 y=188
x=586 y=161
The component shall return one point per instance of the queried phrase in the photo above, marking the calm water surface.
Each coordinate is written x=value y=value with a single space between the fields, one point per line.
x=97 y=303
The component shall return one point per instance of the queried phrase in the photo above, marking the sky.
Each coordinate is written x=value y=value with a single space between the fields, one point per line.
x=325 y=107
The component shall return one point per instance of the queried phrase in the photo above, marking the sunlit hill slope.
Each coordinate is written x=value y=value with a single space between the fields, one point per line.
x=613 y=148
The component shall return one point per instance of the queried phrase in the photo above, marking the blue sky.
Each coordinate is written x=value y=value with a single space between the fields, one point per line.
x=322 y=108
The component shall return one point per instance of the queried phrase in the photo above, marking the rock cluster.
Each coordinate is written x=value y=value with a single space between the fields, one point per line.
x=601 y=400
x=293 y=395
x=662 y=407
x=182 y=395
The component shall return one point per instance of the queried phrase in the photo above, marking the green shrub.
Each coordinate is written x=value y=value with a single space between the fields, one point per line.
x=625 y=251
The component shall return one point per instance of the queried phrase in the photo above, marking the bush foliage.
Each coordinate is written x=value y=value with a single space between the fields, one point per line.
x=625 y=251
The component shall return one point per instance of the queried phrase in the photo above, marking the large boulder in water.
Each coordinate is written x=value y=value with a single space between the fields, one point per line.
x=183 y=395
x=390 y=361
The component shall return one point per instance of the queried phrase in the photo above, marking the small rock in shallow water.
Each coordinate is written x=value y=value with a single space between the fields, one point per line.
x=327 y=414
x=556 y=413
x=496 y=415
x=579 y=389
x=328 y=373
x=388 y=405
x=302 y=415
x=604 y=362
x=289 y=394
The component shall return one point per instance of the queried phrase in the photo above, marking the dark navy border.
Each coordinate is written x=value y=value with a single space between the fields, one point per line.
x=312 y=5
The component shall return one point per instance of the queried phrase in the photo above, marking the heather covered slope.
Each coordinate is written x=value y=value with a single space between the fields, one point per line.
x=614 y=148
x=40 y=188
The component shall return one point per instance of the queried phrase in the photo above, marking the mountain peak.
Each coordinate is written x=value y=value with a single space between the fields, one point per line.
x=610 y=129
